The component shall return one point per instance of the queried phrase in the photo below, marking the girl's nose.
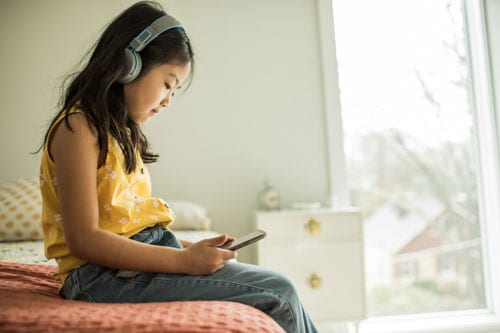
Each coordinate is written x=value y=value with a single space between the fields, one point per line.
x=165 y=102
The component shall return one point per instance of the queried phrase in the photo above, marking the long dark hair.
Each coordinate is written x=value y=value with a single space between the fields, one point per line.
x=95 y=90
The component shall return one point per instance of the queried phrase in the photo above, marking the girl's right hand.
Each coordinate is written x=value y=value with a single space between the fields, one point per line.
x=205 y=257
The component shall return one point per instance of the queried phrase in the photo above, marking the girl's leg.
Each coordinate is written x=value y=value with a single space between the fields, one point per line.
x=261 y=288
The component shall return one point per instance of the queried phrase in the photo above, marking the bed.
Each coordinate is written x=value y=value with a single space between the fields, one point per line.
x=29 y=300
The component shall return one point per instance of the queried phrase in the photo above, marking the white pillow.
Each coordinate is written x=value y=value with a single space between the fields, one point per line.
x=20 y=210
x=189 y=216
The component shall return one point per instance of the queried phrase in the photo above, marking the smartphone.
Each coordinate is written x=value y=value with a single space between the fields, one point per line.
x=242 y=241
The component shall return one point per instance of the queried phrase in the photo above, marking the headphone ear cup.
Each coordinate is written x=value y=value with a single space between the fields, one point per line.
x=132 y=66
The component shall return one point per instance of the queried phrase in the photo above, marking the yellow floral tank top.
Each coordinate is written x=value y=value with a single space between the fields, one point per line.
x=125 y=203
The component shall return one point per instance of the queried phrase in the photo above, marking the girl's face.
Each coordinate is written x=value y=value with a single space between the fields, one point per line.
x=151 y=92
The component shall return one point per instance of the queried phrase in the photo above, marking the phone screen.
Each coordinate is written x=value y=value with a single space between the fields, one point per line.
x=242 y=241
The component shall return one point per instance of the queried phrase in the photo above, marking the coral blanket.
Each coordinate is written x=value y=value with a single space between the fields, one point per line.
x=29 y=302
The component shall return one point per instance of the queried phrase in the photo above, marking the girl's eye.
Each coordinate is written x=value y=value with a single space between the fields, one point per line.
x=168 y=87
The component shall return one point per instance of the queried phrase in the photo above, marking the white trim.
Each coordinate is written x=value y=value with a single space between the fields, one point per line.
x=457 y=322
x=338 y=188
x=487 y=147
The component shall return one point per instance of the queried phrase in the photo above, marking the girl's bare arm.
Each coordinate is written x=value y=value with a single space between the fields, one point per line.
x=75 y=155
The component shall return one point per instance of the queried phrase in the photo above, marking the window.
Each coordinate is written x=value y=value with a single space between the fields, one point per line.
x=420 y=155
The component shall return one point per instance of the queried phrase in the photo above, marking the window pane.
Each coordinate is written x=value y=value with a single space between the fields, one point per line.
x=409 y=141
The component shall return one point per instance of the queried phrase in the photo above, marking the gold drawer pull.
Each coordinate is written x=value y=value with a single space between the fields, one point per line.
x=315 y=281
x=312 y=226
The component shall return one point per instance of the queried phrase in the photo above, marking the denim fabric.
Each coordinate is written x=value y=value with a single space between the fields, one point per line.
x=253 y=285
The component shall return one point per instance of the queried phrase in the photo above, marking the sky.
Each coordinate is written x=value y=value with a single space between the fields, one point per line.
x=380 y=47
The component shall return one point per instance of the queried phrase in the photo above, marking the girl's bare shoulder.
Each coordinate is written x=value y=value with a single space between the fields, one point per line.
x=73 y=133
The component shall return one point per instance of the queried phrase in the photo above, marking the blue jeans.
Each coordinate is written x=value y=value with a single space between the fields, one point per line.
x=253 y=285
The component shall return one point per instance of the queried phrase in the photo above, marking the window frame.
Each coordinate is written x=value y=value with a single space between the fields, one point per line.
x=488 y=150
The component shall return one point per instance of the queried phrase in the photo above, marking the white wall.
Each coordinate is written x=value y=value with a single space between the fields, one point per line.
x=253 y=112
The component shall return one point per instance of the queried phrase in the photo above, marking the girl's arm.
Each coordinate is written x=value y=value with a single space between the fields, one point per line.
x=75 y=153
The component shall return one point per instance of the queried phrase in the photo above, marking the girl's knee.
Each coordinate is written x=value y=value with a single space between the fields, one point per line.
x=284 y=283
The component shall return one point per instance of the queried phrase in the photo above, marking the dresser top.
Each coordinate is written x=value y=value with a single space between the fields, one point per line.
x=323 y=210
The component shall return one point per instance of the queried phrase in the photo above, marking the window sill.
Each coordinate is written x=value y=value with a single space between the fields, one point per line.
x=458 y=322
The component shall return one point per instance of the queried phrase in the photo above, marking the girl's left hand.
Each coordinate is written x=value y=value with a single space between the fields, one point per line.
x=206 y=256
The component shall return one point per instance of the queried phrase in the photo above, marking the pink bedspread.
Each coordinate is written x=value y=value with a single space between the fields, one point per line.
x=29 y=303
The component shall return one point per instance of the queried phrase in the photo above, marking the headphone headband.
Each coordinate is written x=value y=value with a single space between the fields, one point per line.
x=133 y=61
x=159 y=26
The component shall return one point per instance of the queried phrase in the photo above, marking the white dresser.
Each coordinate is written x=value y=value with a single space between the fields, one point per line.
x=322 y=252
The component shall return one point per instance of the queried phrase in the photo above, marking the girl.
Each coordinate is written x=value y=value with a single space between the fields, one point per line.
x=107 y=234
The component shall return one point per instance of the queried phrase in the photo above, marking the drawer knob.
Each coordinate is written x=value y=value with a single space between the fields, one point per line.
x=312 y=226
x=315 y=281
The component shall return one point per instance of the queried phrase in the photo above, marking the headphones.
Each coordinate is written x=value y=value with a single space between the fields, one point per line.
x=133 y=61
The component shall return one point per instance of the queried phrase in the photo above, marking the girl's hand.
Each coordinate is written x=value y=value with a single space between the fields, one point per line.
x=205 y=257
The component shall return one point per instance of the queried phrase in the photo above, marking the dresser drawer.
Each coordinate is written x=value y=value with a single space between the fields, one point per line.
x=284 y=225
x=328 y=276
